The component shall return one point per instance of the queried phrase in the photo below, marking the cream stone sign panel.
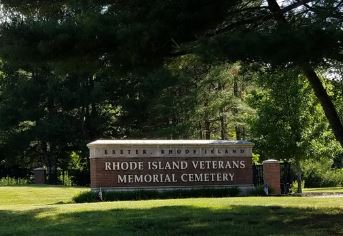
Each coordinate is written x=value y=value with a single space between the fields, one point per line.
x=166 y=164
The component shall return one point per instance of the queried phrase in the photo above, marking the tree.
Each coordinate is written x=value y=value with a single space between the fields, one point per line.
x=45 y=117
x=200 y=100
x=285 y=127
x=290 y=36
x=106 y=33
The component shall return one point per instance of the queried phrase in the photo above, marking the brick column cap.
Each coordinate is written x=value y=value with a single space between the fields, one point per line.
x=270 y=161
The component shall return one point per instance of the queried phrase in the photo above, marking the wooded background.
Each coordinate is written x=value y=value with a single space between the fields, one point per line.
x=265 y=71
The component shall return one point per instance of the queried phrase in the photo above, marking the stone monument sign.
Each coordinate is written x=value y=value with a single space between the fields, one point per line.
x=170 y=164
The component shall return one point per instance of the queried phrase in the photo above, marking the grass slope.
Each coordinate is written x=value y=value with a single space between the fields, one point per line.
x=38 y=211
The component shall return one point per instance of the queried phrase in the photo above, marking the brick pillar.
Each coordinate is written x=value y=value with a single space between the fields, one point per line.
x=39 y=175
x=271 y=175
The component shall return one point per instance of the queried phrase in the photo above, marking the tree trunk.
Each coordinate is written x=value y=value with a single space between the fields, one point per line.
x=223 y=130
x=319 y=90
x=325 y=102
x=236 y=93
x=238 y=133
x=299 y=177
x=207 y=129
x=223 y=121
x=207 y=124
x=47 y=158
x=299 y=181
x=201 y=136
x=51 y=162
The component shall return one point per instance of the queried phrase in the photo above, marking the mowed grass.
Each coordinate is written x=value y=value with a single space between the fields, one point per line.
x=48 y=211
x=37 y=195
x=324 y=190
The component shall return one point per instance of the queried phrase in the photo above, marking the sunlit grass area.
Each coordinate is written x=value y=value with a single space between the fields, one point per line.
x=324 y=190
x=39 y=211
x=37 y=195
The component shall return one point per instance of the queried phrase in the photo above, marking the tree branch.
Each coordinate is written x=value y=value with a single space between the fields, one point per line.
x=261 y=17
x=322 y=10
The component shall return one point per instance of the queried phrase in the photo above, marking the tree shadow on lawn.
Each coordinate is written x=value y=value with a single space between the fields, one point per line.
x=175 y=220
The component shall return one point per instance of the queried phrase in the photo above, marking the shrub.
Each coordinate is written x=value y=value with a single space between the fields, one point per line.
x=8 y=181
x=65 y=179
x=320 y=174
x=91 y=196
x=333 y=178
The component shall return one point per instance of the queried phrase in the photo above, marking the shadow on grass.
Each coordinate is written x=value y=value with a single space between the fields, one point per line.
x=175 y=220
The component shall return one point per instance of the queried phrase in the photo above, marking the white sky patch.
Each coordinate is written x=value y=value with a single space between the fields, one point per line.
x=282 y=3
x=105 y=9
x=334 y=74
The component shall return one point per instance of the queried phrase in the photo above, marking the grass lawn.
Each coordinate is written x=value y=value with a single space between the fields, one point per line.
x=42 y=210
x=37 y=195
x=324 y=190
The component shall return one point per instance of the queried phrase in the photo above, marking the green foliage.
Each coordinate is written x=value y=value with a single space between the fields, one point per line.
x=282 y=116
x=78 y=173
x=320 y=174
x=285 y=127
x=256 y=159
x=147 y=194
x=65 y=179
x=202 y=100
x=8 y=181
